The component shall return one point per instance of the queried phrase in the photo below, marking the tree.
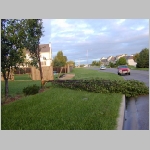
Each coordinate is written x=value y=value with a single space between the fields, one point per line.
x=112 y=65
x=96 y=63
x=11 y=47
x=71 y=63
x=17 y=34
x=121 y=61
x=34 y=30
x=59 y=60
x=143 y=59
x=135 y=57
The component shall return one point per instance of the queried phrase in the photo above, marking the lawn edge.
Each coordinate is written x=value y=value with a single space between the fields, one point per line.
x=120 y=119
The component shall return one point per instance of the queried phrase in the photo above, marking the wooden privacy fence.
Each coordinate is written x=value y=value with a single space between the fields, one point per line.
x=11 y=77
x=47 y=73
x=65 y=69
x=23 y=70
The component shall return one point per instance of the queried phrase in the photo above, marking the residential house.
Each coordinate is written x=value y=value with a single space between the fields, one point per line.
x=111 y=59
x=130 y=60
x=45 y=54
x=119 y=56
x=104 y=61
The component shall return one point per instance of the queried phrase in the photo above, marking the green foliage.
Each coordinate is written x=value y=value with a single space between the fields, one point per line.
x=31 y=90
x=135 y=57
x=59 y=60
x=16 y=36
x=96 y=63
x=143 y=59
x=112 y=65
x=71 y=63
x=131 y=88
x=121 y=61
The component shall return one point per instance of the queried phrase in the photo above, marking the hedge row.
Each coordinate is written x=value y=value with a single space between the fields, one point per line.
x=131 y=88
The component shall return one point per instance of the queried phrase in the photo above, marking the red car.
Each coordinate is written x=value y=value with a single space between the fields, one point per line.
x=123 y=69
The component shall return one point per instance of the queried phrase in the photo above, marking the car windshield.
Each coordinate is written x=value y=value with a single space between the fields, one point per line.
x=122 y=66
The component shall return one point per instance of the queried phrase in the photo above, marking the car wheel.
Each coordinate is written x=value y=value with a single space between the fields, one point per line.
x=129 y=73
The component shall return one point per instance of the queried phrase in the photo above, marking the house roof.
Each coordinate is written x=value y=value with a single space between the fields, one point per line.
x=44 y=48
x=129 y=57
x=103 y=60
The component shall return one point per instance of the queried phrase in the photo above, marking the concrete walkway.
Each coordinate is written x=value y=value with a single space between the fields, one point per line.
x=67 y=77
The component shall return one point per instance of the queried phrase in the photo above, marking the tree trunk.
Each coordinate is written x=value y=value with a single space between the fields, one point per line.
x=6 y=78
x=40 y=68
x=6 y=89
x=60 y=72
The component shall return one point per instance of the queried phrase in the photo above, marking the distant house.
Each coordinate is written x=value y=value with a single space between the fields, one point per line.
x=111 y=59
x=45 y=54
x=104 y=61
x=130 y=60
x=119 y=56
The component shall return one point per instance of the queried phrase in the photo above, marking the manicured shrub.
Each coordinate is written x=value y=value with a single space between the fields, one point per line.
x=131 y=88
x=31 y=90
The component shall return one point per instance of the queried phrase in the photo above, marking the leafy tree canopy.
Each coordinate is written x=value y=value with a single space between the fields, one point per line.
x=143 y=59
x=121 y=61
x=59 y=60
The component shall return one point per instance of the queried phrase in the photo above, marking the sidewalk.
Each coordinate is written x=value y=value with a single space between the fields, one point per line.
x=67 y=77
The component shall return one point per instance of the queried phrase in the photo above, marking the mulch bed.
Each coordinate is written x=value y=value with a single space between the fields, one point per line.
x=17 y=97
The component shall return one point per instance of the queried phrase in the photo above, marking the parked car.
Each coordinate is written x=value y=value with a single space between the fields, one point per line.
x=102 y=67
x=123 y=69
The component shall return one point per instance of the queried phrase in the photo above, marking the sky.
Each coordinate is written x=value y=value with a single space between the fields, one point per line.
x=87 y=40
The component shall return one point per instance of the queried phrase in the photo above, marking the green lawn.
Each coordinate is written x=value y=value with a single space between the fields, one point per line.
x=134 y=68
x=61 y=108
x=22 y=77
x=83 y=73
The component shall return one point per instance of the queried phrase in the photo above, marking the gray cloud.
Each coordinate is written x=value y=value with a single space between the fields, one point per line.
x=98 y=37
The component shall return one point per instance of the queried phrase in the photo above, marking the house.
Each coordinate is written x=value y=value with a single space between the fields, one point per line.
x=104 y=61
x=111 y=59
x=119 y=56
x=45 y=54
x=130 y=60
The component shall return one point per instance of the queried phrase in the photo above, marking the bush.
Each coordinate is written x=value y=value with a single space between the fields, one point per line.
x=131 y=88
x=31 y=90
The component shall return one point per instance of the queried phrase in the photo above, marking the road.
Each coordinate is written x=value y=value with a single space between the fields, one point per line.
x=137 y=109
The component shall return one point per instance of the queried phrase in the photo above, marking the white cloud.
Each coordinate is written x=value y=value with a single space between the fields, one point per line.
x=139 y=28
x=104 y=36
x=120 y=21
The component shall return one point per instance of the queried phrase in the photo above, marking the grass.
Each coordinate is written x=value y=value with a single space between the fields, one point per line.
x=22 y=77
x=62 y=109
x=16 y=87
x=70 y=110
x=83 y=73
x=134 y=68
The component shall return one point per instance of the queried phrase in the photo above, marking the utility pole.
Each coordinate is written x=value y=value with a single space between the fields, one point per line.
x=79 y=63
x=87 y=59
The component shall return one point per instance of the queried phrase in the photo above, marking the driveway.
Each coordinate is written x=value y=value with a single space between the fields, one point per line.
x=137 y=109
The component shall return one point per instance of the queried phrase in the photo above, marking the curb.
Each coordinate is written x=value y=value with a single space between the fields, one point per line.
x=120 y=120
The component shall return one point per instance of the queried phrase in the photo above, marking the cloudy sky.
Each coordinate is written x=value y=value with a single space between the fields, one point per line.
x=87 y=40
